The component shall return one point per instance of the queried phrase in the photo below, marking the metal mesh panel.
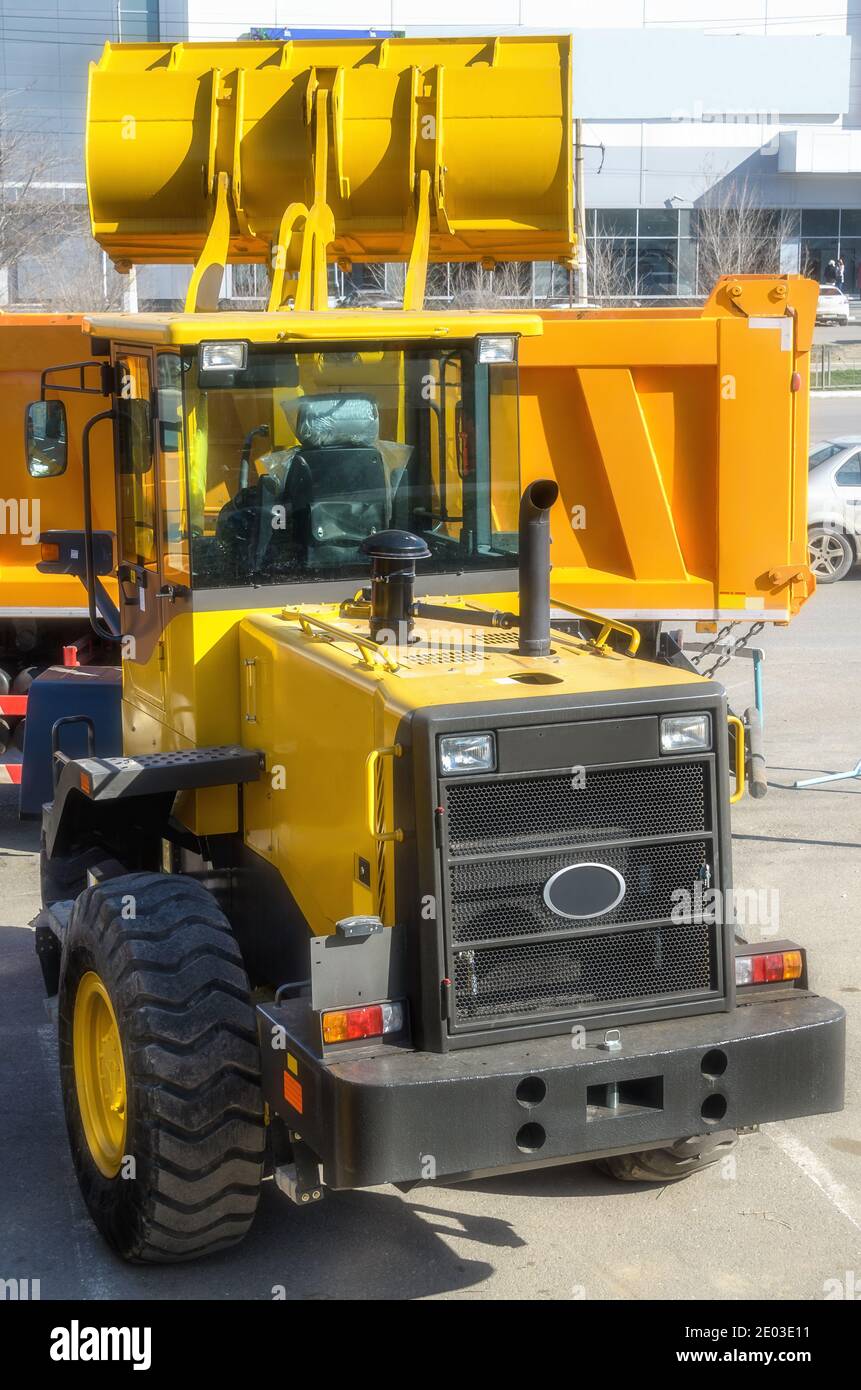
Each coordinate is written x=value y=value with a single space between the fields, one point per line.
x=553 y=976
x=615 y=804
x=504 y=897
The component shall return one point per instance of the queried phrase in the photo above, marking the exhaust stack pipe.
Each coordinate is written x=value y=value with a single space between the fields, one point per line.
x=534 y=537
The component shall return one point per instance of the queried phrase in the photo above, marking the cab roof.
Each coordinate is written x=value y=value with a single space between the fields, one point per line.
x=336 y=325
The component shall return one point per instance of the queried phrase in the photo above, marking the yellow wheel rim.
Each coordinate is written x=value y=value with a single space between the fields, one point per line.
x=100 y=1075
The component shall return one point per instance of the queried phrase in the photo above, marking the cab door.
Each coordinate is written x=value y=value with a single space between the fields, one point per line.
x=140 y=561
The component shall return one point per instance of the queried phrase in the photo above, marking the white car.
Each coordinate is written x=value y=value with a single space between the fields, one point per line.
x=834 y=507
x=832 y=306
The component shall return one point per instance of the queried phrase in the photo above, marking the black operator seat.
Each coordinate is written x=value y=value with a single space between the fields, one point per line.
x=337 y=488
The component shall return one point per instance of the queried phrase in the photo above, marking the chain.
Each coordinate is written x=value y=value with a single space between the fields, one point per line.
x=729 y=652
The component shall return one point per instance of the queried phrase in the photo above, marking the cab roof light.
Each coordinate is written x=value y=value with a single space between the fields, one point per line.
x=768 y=967
x=497 y=349
x=224 y=357
x=367 y=1021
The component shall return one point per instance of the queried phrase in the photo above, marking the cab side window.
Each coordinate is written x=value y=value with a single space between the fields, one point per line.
x=174 y=511
x=137 y=491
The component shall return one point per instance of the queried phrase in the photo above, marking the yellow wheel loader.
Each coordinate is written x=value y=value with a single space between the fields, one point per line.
x=411 y=865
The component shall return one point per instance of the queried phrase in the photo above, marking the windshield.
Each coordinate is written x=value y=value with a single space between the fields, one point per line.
x=298 y=457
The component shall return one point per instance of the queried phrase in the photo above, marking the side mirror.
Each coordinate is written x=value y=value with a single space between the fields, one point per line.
x=45 y=438
x=134 y=425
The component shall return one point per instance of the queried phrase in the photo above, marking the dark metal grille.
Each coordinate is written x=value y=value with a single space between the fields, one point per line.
x=553 y=976
x=494 y=898
x=510 y=957
x=615 y=804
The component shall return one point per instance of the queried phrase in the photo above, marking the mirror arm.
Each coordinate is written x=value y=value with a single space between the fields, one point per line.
x=110 y=630
x=104 y=388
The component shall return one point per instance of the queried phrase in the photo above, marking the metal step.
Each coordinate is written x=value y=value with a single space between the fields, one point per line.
x=107 y=779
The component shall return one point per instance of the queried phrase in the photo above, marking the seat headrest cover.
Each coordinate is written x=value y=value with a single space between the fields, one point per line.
x=326 y=422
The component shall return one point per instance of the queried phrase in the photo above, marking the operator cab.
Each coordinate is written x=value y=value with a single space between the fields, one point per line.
x=254 y=460
x=295 y=456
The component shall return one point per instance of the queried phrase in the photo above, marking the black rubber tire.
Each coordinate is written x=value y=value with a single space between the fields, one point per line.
x=679 y=1160
x=195 y=1125
x=842 y=566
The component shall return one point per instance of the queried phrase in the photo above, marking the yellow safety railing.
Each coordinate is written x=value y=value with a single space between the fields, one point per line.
x=607 y=625
x=372 y=653
x=739 y=759
x=372 y=763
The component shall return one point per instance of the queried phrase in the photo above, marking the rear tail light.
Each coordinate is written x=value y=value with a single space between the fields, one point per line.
x=767 y=968
x=369 y=1021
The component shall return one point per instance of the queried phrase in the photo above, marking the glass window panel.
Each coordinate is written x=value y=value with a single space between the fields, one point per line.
x=817 y=253
x=137 y=479
x=657 y=268
x=823 y=454
x=356 y=440
x=543 y=279
x=818 y=222
x=616 y=222
x=138 y=21
x=850 y=222
x=561 y=281
x=465 y=281
x=790 y=219
x=850 y=250
x=174 y=525
x=437 y=282
x=850 y=474
x=687 y=266
x=686 y=221
x=612 y=268
x=513 y=280
x=658 y=222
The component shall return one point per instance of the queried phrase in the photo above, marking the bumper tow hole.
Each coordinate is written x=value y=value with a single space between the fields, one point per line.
x=714 y=1108
x=530 y=1138
x=530 y=1091
x=714 y=1063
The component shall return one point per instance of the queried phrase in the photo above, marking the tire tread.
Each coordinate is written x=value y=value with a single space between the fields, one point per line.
x=180 y=990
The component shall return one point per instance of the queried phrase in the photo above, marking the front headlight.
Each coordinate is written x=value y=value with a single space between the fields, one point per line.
x=684 y=733
x=467 y=753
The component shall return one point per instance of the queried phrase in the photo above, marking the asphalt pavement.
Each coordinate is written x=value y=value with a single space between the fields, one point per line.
x=834 y=413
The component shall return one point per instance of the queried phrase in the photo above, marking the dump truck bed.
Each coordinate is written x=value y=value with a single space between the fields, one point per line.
x=679 y=439
x=29 y=344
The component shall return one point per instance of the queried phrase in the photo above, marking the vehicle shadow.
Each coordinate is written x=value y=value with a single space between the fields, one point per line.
x=568 y=1180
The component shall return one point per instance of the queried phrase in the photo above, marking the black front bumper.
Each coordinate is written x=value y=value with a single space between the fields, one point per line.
x=389 y=1114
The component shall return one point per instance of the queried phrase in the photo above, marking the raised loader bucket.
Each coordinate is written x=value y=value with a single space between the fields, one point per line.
x=488 y=121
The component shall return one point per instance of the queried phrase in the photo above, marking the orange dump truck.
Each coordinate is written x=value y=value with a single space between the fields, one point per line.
x=43 y=617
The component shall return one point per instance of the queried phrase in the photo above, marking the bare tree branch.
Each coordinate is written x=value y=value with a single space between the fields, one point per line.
x=610 y=275
x=735 y=235
x=35 y=206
